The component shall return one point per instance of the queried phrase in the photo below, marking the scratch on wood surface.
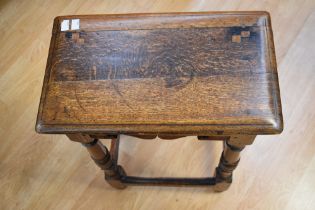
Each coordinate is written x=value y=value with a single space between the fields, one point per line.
x=120 y=94
x=78 y=101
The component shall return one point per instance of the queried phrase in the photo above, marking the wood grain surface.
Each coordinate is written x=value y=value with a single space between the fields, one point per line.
x=50 y=172
x=193 y=73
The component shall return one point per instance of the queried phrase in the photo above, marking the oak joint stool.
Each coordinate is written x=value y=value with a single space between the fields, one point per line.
x=209 y=74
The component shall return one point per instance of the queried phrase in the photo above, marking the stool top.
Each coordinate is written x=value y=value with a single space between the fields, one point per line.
x=188 y=73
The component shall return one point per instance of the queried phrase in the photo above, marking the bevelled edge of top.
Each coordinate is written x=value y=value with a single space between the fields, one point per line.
x=133 y=21
x=277 y=125
x=39 y=128
x=263 y=14
x=192 y=130
x=263 y=19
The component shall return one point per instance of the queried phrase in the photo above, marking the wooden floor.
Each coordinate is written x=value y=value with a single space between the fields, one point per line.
x=50 y=172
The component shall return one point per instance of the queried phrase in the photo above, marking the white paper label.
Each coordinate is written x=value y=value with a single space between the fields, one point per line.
x=65 y=25
x=75 y=24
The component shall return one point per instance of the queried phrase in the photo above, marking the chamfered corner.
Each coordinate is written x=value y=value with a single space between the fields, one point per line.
x=39 y=128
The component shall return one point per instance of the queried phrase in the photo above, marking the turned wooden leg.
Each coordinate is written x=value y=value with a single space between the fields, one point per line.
x=229 y=160
x=102 y=157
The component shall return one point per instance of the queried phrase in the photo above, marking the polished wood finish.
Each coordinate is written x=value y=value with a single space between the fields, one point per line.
x=210 y=74
x=49 y=172
x=178 y=73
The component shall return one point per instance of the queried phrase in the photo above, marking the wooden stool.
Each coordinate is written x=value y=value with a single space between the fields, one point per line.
x=212 y=75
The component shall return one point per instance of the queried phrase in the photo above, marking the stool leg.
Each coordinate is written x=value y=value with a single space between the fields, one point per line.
x=101 y=156
x=229 y=160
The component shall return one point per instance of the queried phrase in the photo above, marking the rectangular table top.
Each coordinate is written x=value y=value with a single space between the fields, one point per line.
x=189 y=73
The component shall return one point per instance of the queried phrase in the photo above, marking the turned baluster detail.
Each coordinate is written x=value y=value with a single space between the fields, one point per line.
x=229 y=160
x=102 y=157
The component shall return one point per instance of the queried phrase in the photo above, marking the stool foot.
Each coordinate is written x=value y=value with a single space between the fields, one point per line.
x=115 y=179
x=221 y=183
